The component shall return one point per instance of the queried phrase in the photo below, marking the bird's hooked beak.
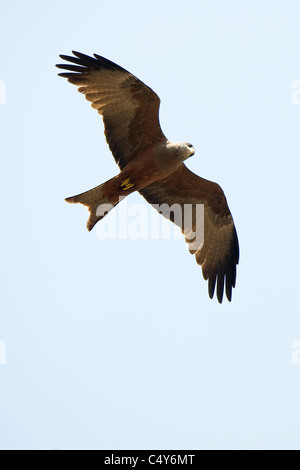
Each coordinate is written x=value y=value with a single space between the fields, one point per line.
x=191 y=150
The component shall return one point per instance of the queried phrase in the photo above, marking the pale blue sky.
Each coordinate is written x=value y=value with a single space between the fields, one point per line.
x=115 y=344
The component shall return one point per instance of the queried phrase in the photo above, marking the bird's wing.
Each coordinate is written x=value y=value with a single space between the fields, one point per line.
x=218 y=249
x=129 y=107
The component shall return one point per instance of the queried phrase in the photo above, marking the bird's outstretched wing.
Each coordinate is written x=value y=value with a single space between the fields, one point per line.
x=128 y=106
x=218 y=253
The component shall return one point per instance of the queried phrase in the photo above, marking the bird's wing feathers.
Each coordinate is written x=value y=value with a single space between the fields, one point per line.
x=130 y=113
x=219 y=251
x=129 y=107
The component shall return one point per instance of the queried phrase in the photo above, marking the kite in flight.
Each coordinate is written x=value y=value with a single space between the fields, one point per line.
x=152 y=165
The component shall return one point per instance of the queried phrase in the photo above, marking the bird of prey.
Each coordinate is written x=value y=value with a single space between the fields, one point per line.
x=152 y=165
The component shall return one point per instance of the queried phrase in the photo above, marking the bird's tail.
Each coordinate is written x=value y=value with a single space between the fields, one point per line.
x=97 y=203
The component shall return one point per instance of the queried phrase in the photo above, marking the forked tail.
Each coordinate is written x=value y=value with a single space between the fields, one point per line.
x=97 y=204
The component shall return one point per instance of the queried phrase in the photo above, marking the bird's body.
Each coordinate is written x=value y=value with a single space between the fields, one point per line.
x=154 y=163
x=151 y=164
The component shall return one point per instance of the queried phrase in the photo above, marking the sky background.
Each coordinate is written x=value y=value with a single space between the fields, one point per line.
x=115 y=344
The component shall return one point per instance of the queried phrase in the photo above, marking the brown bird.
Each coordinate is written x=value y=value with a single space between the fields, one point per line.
x=153 y=166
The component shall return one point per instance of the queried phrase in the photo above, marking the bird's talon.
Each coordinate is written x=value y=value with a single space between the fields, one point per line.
x=126 y=184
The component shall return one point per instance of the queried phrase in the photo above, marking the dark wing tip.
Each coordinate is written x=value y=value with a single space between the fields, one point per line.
x=87 y=62
x=73 y=68
x=220 y=285
x=66 y=75
x=82 y=61
x=218 y=280
x=224 y=274
x=212 y=283
x=85 y=59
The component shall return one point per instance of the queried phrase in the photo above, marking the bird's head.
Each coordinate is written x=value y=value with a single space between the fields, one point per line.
x=186 y=150
x=191 y=149
x=182 y=150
